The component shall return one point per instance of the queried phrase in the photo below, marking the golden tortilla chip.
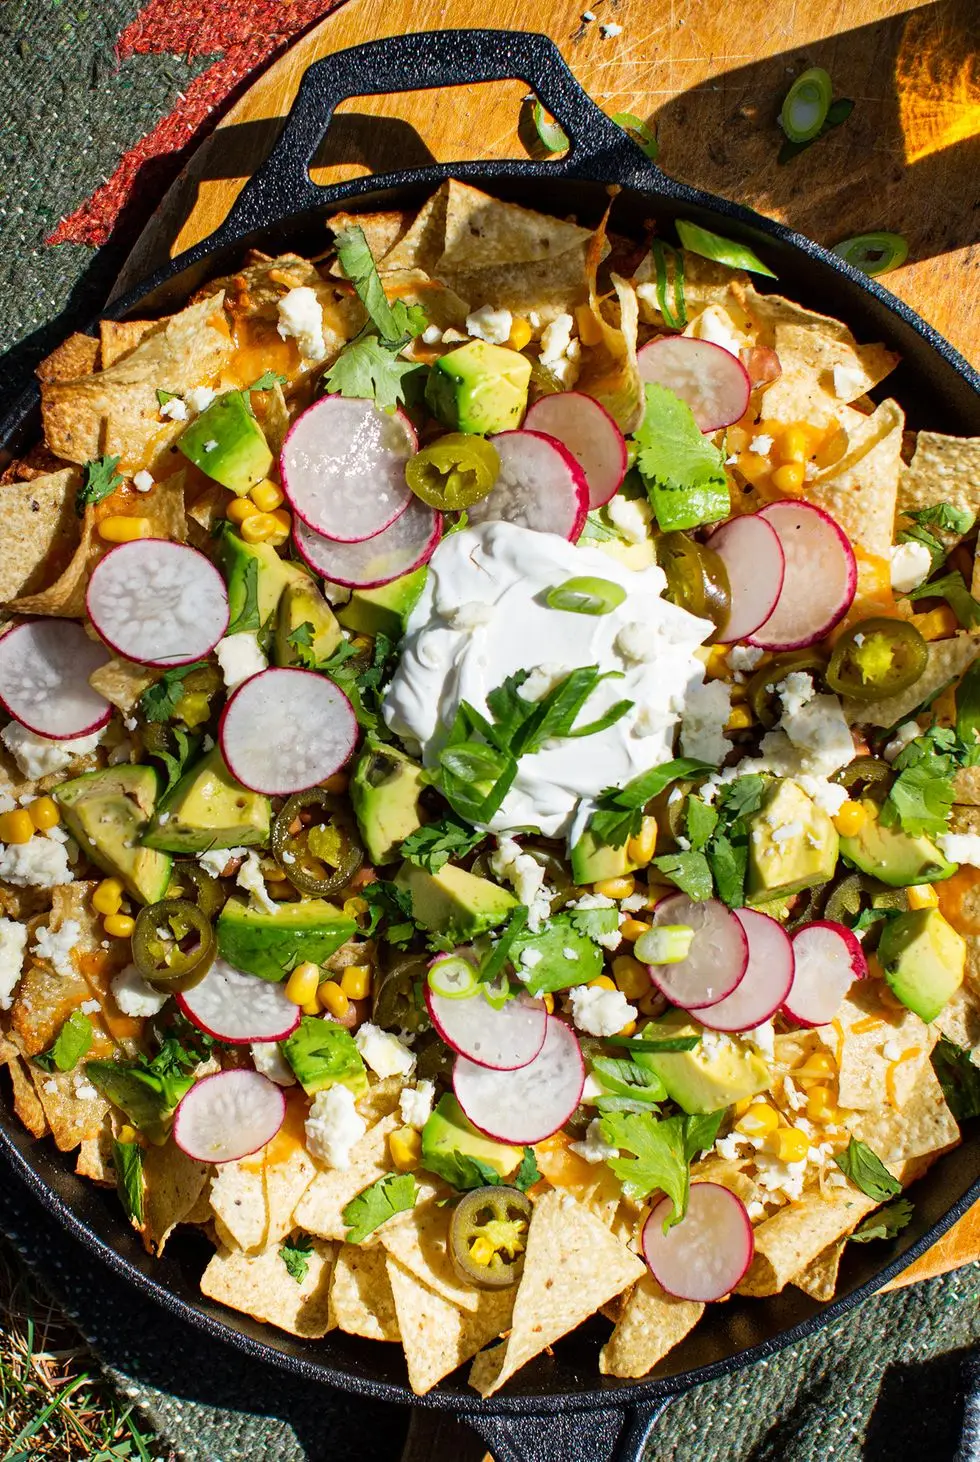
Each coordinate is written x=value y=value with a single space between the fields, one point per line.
x=793 y=1237
x=818 y=1279
x=73 y=1108
x=728 y=1173
x=203 y=514
x=74 y=357
x=706 y=284
x=942 y=470
x=95 y=1156
x=174 y=1183
x=923 y=1124
x=238 y=1200
x=870 y=1079
x=320 y=1210
x=651 y=1324
x=122 y=682
x=420 y=1244
x=443 y=306
x=40 y=531
x=44 y=999
x=260 y=1285
x=382 y=1096
x=609 y=371
x=966 y=786
x=272 y=414
x=37 y=461
x=436 y=1335
x=65 y=598
x=573 y=1266
x=482 y=233
x=289 y=1169
x=959 y=1020
x=423 y=244
x=27 y=1107
x=118 y=338
x=860 y=491
x=948 y=659
x=843 y=369
x=381 y=230
x=361 y=1301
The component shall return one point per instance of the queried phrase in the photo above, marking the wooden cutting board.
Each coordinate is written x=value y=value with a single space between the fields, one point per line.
x=907 y=160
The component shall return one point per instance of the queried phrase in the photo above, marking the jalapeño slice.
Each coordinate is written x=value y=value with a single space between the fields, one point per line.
x=454 y=472
x=204 y=890
x=762 y=689
x=315 y=842
x=697 y=579
x=489 y=1235
x=173 y=944
x=878 y=657
x=398 y=1003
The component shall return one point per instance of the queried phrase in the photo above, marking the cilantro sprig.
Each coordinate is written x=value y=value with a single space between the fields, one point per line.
x=682 y=470
x=943 y=518
x=921 y=797
x=295 y=1254
x=864 y=1167
x=69 y=1045
x=952 y=588
x=958 y=1077
x=885 y=1223
x=465 y=1173
x=431 y=847
x=369 y=366
x=661 y=1150
x=394 y=1193
x=99 y=480
x=158 y=702
x=619 y=814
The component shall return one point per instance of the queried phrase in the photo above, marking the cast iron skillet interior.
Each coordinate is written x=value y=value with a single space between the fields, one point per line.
x=281 y=209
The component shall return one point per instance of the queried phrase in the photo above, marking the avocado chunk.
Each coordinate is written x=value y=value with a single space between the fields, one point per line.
x=792 y=845
x=323 y=1054
x=562 y=955
x=106 y=812
x=714 y=1074
x=593 y=861
x=271 y=945
x=227 y=443
x=479 y=388
x=923 y=959
x=385 y=792
x=449 y=1135
x=256 y=577
x=893 y=856
x=454 y=902
x=208 y=809
x=385 y=610
x=304 y=614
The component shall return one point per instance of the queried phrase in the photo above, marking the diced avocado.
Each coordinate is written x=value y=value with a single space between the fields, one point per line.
x=301 y=604
x=479 y=388
x=593 y=861
x=323 y=1054
x=256 y=576
x=208 y=809
x=792 y=845
x=704 y=1080
x=923 y=958
x=454 y=902
x=385 y=792
x=227 y=443
x=448 y=1132
x=106 y=812
x=562 y=956
x=893 y=856
x=271 y=945
x=384 y=610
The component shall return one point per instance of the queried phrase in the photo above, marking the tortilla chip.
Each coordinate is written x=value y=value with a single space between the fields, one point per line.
x=923 y=1124
x=609 y=371
x=420 y=1244
x=705 y=283
x=174 y=1183
x=65 y=598
x=572 y=1267
x=289 y=1169
x=260 y=1285
x=966 y=786
x=437 y=1336
x=793 y=1237
x=381 y=230
x=730 y=1174
x=95 y=1156
x=843 y=369
x=443 y=306
x=381 y=1097
x=361 y=1301
x=651 y=1324
x=860 y=491
x=320 y=1210
x=123 y=682
x=868 y=1079
x=422 y=246
x=41 y=531
x=74 y=357
x=74 y=1110
x=948 y=659
x=272 y=415
x=959 y=1019
x=482 y=233
x=37 y=461
x=44 y=999
x=118 y=338
x=942 y=470
x=27 y=1106
x=818 y=1279
x=238 y=1200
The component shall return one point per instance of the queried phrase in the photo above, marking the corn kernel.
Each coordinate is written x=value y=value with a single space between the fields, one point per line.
x=640 y=850
x=549 y=1003
x=792 y=446
x=241 y=508
x=284 y=526
x=119 y=529
x=301 y=987
x=520 y=333
x=405 y=1146
x=716 y=664
x=656 y=893
x=333 y=999
x=761 y=1120
x=820 y=1066
x=589 y=329
x=652 y=1003
x=632 y=977
x=603 y=982
x=923 y=896
x=311 y=1008
x=820 y=1106
x=356 y=982
x=482 y=1251
x=107 y=898
x=850 y=819
x=267 y=496
x=16 y=826
x=938 y=624
x=631 y=929
x=44 y=813
x=789 y=1144
x=740 y=719
x=629 y=1029
x=355 y=909
x=337 y=784
x=128 y=1134
x=753 y=466
x=742 y=1106
x=789 y=477
x=119 y=926
x=616 y=888
x=258 y=527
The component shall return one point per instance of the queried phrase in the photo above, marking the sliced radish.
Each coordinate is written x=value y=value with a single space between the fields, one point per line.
x=820 y=580
x=750 y=549
x=718 y=957
x=713 y=382
x=343 y=467
x=157 y=602
x=589 y=433
x=239 y=1008
x=540 y=485
x=766 y=982
x=528 y=1105
x=229 y=1115
x=44 y=669
x=827 y=960
x=705 y=1255
x=405 y=545
x=286 y=730
x=502 y=1038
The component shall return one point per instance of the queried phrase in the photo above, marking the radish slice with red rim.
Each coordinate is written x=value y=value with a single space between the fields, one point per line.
x=406 y=544
x=590 y=434
x=286 y=730
x=343 y=467
x=705 y=1255
x=44 y=669
x=827 y=960
x=229 y=1115
x=239 y=1008
x=713 y=382
x=501 y=1038
x=766 y=982
x=717 y=959
x=750 y=549
x=527 y=1105
x=820 y=580
x=540 y=485
x=157 y=602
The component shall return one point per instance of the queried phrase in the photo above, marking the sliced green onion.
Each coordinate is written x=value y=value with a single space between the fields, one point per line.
x=676 y=318
x=586 y=596
x=806 y=106
x=723 y=251
x=498 y=991
x=874 y=253
x=552 y=135
x=667 y=944
x=454 y=977
x=837 y=112
x=644 y=136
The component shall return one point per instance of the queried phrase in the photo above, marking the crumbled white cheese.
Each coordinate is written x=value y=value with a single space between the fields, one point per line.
x=905 y=733
x=529 y=958
x=782 y=1179
x=199 y=398
x=41 y=863
x=744 y=657
x=301 y=316
x=559 y=352
x=788 y=832
x=432 y=335
x=631 y=517
x=763 y=1037
x=384 y=1053
x=215 y=860
x=892 y=1050
x=706 y=711
x=526 y=877
x=600 y=1012
x=613 y=939
x=211 y=445
x=13 y=940
x=828 y=796
x=415 y=1104
x=268 y=1060
x=730 y=1147
x=240 y=657
x=795 y=692
x=849 y=382
x=911 y=564
x=56 y=945
x=594 y=1149
x=755 y=1210
x=89 y=1007
x=39 y=756
x=134 y=996
x=249 y=877
x=174 y=409
x=334 y=1126
x=816 y=740
x=633 y=902
x=83 y=1088
x=761 y=444
x=143 y=482
x=794 y=1098
x=961 y=847
x=490 y=324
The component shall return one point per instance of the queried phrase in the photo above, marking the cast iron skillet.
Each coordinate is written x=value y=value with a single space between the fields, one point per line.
x=558 y=1407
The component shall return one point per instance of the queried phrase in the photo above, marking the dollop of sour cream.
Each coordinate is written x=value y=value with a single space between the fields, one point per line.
x=482 y=616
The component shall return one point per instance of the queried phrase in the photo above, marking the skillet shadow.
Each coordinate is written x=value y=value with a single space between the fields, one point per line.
x=920 y=1410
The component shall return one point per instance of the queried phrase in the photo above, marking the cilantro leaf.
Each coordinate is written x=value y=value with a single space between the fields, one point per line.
x=390 y=910
x=866 y=1171
x=127 y=1159
x=158 y=702
x=367 y=369
x=701 y=820
x=295 y=1254
x=396 y=323
x=300 y=641
x=361 y=683
x=682 y=470
x=594 y=923
x=528 y=1173
x=99 y=479
x=920 y=799
x=944 y=517
x=700 y=1133
x=174 y=761
x=69 y=1045
x=620 y=810
x=952 y=588
x=266 y=381
x=394 y=1193
x=247 y=618
x=431 y=847
x=885 y=1223
x=958 y=1077
x=658 y=1158
x=690 y=871
x=729 y=863
x=465 y=1173
x=164 y=396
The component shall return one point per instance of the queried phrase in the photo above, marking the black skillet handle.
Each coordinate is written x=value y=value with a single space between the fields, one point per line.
x=616 y=1435
x=282 y=186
